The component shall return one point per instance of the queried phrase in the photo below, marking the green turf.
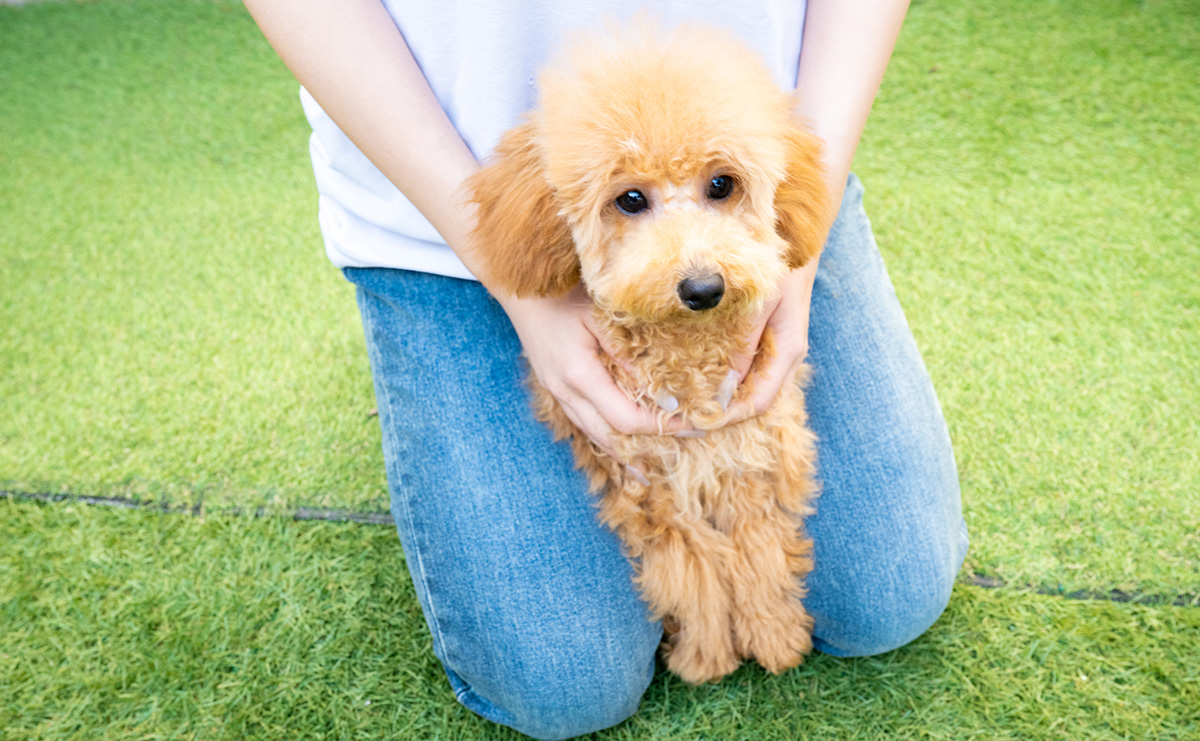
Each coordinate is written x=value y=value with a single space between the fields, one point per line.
x=1035 y=170
x=169 y=329
x=133 y=625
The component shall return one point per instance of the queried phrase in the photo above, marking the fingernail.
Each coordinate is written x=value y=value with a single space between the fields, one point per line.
x=666 y=402
x=636 y=474
x=726 y=389
x=689 y=433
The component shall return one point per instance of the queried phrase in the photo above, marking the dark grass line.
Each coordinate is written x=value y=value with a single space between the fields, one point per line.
x=298 y=513
x=1113 y=595
x=383 y=518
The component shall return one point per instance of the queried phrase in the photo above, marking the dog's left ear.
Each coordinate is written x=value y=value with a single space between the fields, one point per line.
x=801 y=200
x=522 y=242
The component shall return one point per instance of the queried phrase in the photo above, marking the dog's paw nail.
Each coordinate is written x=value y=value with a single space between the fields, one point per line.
x=689 y=433
x=636 y=474
x=726 y=389
x=666 y=402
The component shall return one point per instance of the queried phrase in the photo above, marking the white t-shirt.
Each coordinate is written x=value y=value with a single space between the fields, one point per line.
x=481 y=58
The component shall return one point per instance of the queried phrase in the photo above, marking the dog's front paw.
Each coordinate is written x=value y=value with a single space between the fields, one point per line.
x=778 y=643
x=696 y=662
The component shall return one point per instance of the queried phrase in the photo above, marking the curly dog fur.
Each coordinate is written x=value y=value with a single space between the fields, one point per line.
x=713 y=524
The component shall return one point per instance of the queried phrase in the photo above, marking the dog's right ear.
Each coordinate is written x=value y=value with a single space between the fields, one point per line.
x=520 y=239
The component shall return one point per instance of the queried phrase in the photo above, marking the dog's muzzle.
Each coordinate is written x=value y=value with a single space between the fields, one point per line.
x=703 y=293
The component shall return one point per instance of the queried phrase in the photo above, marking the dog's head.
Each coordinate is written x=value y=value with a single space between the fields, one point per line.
x=665 y=170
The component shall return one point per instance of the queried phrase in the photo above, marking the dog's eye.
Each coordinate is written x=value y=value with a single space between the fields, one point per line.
x=632 y=201
x=720 y=187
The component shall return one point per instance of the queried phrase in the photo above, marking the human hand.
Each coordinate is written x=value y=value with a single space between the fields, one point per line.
x=787 y=320
x=566 y=354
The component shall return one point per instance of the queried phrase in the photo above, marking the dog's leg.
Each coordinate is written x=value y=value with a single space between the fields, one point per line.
x=763 y=517
x=682 y=576
x=766 y=576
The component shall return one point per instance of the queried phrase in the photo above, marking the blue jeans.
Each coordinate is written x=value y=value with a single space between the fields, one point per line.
x=529 y=599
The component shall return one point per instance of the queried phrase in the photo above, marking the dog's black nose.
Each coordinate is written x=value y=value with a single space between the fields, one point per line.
x=702 y=293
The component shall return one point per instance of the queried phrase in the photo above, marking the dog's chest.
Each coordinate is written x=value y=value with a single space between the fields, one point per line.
x=715 y=476
x=703 y=472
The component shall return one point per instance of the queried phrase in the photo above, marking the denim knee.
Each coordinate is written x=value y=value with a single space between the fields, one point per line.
x=896 y=606
x=555 y=697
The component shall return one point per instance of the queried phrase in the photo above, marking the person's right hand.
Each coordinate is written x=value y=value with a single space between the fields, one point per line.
x=566 y=355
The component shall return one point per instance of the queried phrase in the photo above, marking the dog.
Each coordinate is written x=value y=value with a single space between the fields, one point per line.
x=664 y=169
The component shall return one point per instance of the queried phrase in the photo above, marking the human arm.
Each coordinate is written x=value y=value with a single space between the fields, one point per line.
x=845 y=50
x=353 y=60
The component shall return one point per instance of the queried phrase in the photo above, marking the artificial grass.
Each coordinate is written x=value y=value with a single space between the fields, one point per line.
x=1034 y=170
x=135 y=624
x=169 y=329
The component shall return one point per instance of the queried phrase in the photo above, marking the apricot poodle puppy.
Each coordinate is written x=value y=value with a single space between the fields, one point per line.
x=665 y=171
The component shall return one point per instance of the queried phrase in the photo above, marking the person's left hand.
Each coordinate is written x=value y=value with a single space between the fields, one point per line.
x=787 y=319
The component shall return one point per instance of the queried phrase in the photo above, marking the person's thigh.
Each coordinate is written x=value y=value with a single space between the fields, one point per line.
x=888 y=532
x=529 y=599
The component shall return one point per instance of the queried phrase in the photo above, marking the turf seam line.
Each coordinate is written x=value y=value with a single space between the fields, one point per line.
x=1113 y=595
x=383 y=518
x=298 y=513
